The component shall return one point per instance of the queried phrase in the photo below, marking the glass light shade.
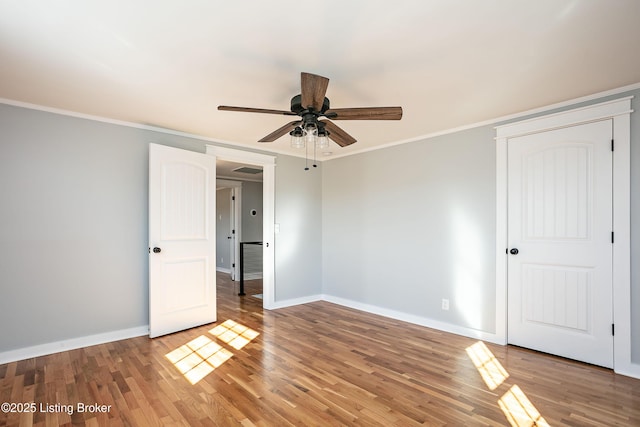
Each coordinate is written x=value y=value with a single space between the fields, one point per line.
x=297 y=141
x=297 y=137
x=322 y=142
x=311 y=135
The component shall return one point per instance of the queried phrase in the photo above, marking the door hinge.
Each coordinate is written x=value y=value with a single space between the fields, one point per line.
x=612 y=145
x=613 y=329
x=234 y=197
x=233 y=265
x=233 y=231
x=612 y=237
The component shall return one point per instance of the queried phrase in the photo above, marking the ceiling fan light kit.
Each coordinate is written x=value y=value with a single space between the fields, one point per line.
x=313 y=134
x=323 y=140
x=311 y=105
x=297 y=137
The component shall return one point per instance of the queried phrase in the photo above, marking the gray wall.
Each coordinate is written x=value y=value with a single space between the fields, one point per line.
x=299 y=242
x=73 y=235
x=74 y=227
x=251 y=199
x=406 y=226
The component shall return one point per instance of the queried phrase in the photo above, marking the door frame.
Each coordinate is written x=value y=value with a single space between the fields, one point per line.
x=619 y=111
x=268 y=164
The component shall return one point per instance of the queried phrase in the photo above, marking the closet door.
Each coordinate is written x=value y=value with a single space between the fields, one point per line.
x=560 y=291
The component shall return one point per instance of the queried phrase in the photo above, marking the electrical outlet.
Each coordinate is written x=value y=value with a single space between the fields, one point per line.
x=445 y=304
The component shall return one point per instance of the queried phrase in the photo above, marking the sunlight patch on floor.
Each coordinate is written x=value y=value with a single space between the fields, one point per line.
x=200 y=356
x=234 y=334
x=517 y=408
x=491 y=370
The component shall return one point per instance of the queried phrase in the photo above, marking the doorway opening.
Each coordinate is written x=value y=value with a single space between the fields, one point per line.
x=239 y=220
x=256 y=220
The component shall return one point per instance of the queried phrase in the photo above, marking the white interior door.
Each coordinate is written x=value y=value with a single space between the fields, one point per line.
x=182 y=239
x=223 y=229
x=560 y=221
x=234 y=233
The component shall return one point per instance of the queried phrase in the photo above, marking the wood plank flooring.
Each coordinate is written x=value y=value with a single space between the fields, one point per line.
x=318 y=364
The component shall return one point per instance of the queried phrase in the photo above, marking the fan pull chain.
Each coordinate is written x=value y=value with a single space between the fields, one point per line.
x=306 y=157
x=315 y=148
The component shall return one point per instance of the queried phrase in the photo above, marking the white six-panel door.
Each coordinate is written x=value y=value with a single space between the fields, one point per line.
x=560 y=222
x=182 y=239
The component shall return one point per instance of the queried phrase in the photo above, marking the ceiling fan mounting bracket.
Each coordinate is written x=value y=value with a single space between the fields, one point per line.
x=296 y=106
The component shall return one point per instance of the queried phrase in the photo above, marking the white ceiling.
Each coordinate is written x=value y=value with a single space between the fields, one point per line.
x=448 y=63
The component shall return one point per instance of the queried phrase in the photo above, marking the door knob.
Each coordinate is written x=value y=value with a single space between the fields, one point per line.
x=514 y=251
x=157 y=250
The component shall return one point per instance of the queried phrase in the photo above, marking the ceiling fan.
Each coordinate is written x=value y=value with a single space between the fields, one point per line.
x=311 y=105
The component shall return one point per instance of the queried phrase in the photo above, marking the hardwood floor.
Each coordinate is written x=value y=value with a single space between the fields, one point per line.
x=318 y=364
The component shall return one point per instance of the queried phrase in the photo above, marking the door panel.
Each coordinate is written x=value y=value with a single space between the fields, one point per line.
x=556 y=192
x=557 y=296
x=182 y=280
x=189 y=275
x=560 y=220
x=183 y=198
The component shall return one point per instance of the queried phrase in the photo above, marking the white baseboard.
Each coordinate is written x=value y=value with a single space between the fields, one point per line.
x=416 y=320
x=294 y=301
x=71 y=344
x=252 y=276
x=223 y=270
x=632 y=370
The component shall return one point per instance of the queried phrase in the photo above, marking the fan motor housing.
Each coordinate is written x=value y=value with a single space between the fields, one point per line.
x=296 y=104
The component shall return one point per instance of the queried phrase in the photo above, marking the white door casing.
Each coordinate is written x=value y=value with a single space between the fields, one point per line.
x=619 y=110
x=560 y=222
x=182 y=270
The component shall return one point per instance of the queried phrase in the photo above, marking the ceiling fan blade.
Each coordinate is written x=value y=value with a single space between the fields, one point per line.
x=313 y=89
x=255 y=110
x=280 y=131
x=365 y=113
x=337 y=134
